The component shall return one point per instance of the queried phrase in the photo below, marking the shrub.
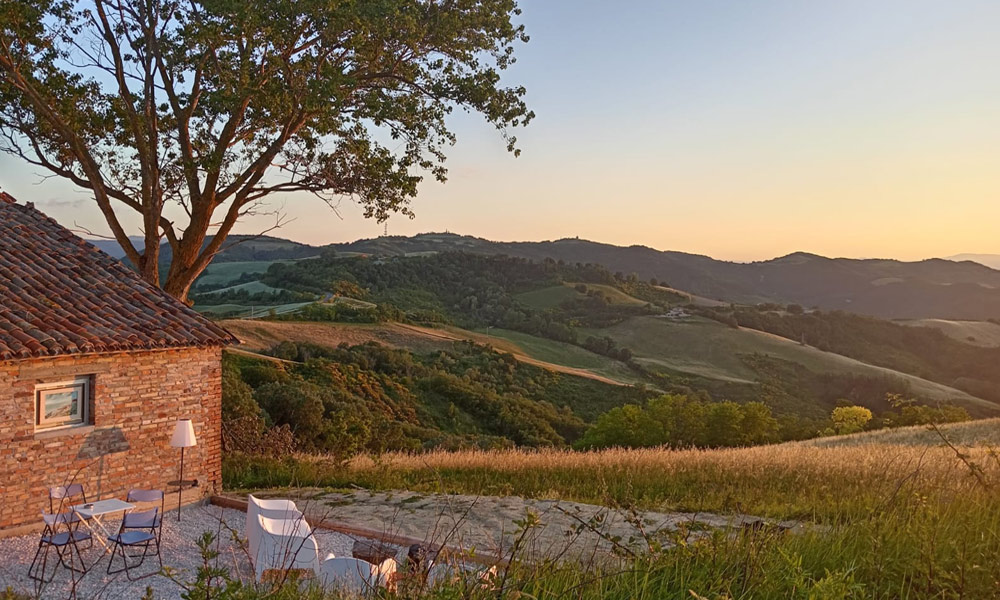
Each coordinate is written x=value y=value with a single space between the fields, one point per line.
x=850 y=419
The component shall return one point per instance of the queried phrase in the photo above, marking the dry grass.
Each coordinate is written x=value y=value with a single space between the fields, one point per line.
x=904 y=520
x=827 y=484
x=972 y=433
x=853 y=460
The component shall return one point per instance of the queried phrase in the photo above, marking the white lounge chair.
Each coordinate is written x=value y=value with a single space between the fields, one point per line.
x=285 y=544
x=355 y=576
x=272 y=509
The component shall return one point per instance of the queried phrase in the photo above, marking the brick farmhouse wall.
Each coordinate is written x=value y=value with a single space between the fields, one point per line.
x=136 y=400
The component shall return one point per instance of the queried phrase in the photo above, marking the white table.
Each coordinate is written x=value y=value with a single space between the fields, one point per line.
x=91 y=514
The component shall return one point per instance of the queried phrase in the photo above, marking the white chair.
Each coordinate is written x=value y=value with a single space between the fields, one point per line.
x=272 y=509
x=355 y=576
x=285 y=544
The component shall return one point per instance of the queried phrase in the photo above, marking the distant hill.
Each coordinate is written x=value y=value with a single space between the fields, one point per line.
x=977 y=333
x=237 y=248
x=964 y=289
x=114 y=249
x=934 y=288
x=990 y=260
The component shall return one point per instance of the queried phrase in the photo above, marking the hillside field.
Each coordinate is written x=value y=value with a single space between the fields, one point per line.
x=553 y=352
x=553 y=296
x=259 y=335
x=221 y=273
x=977 y=333
x=709 y=349
x=247 y=311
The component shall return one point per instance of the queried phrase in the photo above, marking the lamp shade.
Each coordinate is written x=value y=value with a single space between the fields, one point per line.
x=183 y=434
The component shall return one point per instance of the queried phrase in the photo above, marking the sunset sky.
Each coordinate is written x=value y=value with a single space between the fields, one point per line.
x=742 y=130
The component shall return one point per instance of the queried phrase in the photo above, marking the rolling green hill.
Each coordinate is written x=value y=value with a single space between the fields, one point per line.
x=709 y=349
x=977 y=333
x=220 y=274
x=256 y=311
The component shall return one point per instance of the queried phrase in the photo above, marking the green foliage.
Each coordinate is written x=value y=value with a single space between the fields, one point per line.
x=195 y=103
x=247 y=298
x=372 y=398
x=608 y=347
x=472 y=290
x=850 y=419
x=679 y=421
x=791 y=388
x=344 y=313
x=907 y=412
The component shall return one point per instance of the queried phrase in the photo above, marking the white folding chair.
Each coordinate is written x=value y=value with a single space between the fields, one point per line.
x=285 y=544
x=272 y=509
x=355 y=576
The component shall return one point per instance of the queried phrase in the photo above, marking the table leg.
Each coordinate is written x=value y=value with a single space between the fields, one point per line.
x=97 y=530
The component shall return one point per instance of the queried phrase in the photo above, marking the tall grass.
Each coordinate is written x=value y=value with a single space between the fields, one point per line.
x=894 y=521
x=787 y=481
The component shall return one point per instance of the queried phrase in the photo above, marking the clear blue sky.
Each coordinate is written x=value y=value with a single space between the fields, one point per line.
x=739 y=129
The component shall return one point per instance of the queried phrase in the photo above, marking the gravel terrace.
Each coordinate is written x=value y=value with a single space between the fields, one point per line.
x=180 y=552
x=484 y=525
x=488 y=525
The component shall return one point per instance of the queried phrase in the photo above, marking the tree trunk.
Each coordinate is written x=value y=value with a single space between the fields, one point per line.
x=178 y=284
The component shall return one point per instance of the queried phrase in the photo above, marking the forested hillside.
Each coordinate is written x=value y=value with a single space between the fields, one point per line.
x=374 y=398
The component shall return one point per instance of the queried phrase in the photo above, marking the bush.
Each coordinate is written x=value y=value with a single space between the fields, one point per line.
x=850 y=419
x=681 y=421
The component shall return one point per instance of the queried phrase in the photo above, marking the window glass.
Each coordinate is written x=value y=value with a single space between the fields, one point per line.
x=62 y=404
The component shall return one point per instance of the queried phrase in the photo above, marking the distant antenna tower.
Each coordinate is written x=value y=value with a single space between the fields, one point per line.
x=386 y=230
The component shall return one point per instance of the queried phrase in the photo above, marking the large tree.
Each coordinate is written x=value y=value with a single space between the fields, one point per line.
x=214 y=105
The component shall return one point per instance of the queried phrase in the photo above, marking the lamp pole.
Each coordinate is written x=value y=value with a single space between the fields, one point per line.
x=180 y=485
x=183 y=438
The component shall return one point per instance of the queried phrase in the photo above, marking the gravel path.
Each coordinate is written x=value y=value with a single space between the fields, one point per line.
x=180 y=552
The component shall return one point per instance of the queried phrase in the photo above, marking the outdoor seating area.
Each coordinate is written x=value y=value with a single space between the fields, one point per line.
x=97 y=561
x=121 y=546
x=71 y=528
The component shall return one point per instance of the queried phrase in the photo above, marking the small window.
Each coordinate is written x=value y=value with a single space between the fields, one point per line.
x=62 y=404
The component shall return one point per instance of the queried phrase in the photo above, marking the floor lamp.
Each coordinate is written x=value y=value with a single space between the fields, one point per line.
x=183 y=438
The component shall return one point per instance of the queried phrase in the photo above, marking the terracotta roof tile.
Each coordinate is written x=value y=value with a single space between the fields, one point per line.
x=61 y=295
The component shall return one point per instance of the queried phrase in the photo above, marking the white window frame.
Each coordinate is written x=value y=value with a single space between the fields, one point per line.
x=41 y=390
